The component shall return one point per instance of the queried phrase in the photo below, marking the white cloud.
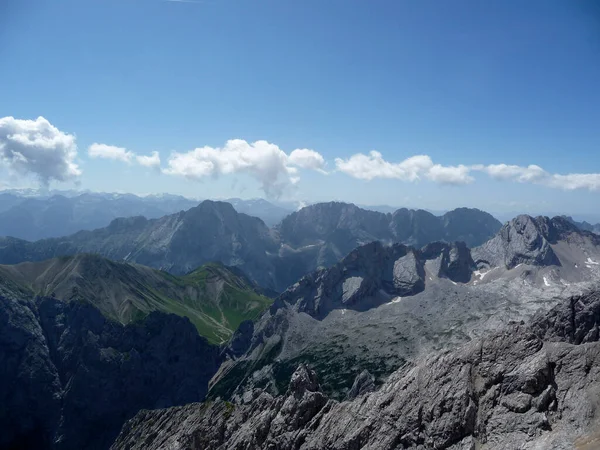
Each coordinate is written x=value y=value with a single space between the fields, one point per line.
x=122 y=154
x=39 y=148
x=110 y=152
x=536 y=175
x=264 y=161
x=149 y=161
x=308 y=159
x=504 y=172
x=589 y=181
x=457 y=175
x=368 y=167
x=373 y=165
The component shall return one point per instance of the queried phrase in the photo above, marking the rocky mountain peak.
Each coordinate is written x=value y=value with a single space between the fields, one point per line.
x=523 y=240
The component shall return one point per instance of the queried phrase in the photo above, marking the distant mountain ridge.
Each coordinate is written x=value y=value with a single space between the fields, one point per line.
x=316 y=236
x=33 y=215
x=586 y=226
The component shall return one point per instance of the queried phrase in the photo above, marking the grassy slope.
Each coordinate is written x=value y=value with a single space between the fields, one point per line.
x=213 y=297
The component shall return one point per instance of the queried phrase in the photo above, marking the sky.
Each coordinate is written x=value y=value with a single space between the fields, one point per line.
x=428 y=104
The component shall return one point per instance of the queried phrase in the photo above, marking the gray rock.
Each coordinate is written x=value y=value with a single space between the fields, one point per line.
x=315 y=237
x=508 y=390
x=523 y=240
x=364 y=382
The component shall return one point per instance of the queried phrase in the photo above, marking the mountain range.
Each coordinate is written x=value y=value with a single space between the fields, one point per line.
x=382 y=306
x=455 y=329
x=33 y=215
x=314 y=237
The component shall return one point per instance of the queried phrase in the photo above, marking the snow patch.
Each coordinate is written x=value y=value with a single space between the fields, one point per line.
x=591 y=261
x=126 y=257
x=546 y=282
x=396 y=300
x=480 y=274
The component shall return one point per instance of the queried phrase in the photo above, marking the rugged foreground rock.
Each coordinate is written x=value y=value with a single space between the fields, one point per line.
x=531 y=386
x=70 y=378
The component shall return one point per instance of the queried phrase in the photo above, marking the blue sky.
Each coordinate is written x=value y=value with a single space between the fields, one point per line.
x=468 y=83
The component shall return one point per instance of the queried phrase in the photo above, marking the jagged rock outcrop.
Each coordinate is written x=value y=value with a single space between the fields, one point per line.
x=452 y=261
x=369 y=276
x=512 y=389
x=69 y=377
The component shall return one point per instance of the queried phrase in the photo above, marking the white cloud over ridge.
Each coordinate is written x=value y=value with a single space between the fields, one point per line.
x=274 y=169
x=36 y=147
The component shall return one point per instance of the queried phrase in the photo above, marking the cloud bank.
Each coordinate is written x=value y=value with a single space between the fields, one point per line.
x=372 y=166
x=36 y=147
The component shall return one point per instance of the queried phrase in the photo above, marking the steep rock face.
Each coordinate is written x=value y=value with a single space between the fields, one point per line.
x=69 y=378
x=416 y=227
x=469 y=226
x=452 y=261
x=29 y=382
x=321 y=221
x=523 y=240
x=509 y=390
x=363 y=383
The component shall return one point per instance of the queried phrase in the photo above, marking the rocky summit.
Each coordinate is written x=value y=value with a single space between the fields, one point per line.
x=533 y=386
